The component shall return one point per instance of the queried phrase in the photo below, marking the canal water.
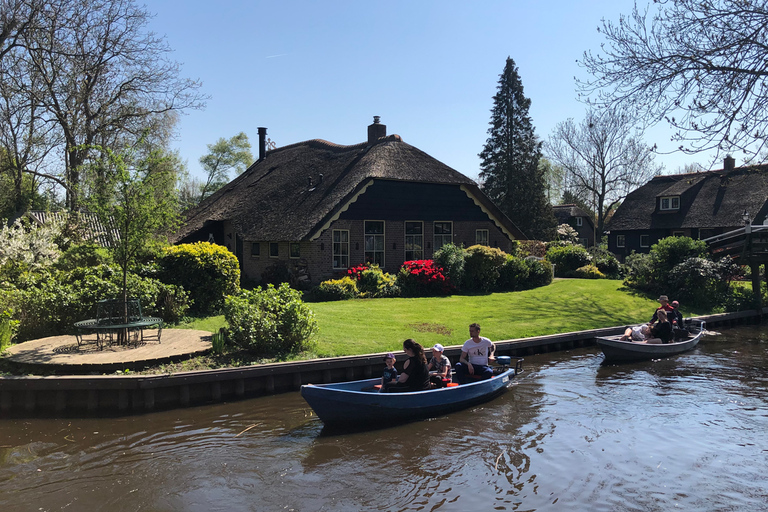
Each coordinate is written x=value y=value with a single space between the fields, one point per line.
x=687 y=433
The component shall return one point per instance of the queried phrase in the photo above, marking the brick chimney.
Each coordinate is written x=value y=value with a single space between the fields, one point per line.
x=376 y=130
x=729 y=163
x=262 y=143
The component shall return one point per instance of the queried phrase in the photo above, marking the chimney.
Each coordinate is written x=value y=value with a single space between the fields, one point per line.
x=262 y=143
x=729 y=163
x=376 y=130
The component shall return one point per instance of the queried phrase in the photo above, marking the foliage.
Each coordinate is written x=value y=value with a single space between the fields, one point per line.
x=450 y=258
x=565 y=233
x=513 y=274
x=605 y=261
x=567 y=258
x=699 y=281
x=481 y=267
x=83 y=255
x=539 y=273
x=374 y=282
x=276 y=274
x=28 y=244
x=420 y=278
x=270 y=321
x=535 y=248
x=510 y=160
x=696 y=65
x=333 y=289
x=588 y=272
x=8 y=329
x=223 y=156
x=741 y=298
x=604 y=159
x=208 y=271
x=219 y=341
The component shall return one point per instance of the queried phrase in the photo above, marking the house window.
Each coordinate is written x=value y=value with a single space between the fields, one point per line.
x=645 y=240
x=481 y=236
x=619 y=240
x=414 y=240
x=443 y=234
x=340 y=248
x=274 y=250
x=579 y=222
x=255 y=250
x=295 y=250
x=670 y=203
x=678 y=233
x=374 y=242
x=584 y=242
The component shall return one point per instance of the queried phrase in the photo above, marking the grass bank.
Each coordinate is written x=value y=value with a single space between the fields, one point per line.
x=378 y=325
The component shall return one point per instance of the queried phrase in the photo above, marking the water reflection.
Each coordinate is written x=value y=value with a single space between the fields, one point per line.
x=687 y=432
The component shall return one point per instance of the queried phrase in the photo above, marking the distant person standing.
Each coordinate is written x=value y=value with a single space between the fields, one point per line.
x=476 y=353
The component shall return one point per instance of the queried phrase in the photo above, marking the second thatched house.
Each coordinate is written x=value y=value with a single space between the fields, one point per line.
x=318 y=208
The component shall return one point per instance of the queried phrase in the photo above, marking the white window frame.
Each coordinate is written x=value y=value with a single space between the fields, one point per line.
x=442 y=236
x=411 y=239
x=479 y=241
x=647 y=239
x=337 y=254
x=670 y=200
x=621 y=241
x=579 y=222
x=277 y=246
x=291 y=246
x=375 y=241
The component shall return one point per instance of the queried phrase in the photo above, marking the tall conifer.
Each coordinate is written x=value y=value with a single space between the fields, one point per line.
x=509 y=169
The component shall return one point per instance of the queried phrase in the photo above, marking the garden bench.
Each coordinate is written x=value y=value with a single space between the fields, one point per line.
x=110 y=320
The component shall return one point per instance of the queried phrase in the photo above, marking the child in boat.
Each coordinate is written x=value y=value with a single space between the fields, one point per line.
x=439 y=367
x=390 y=372
x=637 y=333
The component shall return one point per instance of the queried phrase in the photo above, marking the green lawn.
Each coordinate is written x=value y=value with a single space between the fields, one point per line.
x=377 y=325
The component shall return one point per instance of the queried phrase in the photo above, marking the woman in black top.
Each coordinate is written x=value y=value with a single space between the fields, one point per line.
x=415 y=375
x=662 y=330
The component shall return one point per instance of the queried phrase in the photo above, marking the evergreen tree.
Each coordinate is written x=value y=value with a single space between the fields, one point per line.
x=510 y=160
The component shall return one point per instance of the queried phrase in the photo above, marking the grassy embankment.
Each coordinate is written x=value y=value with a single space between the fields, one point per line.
x=378 y=325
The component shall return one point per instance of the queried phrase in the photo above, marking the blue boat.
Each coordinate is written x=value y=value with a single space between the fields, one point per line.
x=356 y=404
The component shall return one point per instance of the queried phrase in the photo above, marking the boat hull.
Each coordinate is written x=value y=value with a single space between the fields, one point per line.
x=348 y=404
x=618 y=351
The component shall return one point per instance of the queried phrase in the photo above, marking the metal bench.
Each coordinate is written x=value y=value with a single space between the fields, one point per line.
x=111 y=319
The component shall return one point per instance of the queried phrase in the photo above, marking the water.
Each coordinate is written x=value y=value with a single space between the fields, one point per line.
x=688 y=433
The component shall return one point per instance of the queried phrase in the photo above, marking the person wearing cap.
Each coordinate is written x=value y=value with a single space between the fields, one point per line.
x=476 y=353
x=664 y=301
x=439 y=367
x=389 y=374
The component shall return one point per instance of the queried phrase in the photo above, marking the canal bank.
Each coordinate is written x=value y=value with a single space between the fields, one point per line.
x=130 y=394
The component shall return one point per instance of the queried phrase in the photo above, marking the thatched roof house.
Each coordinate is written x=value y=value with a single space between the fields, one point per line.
x=579 y=220
x=319 y=207
x=698 y=205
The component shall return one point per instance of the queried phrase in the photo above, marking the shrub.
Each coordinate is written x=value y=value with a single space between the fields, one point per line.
x=741 y=298
x=481 y=267
x=567 y=258
x=374 y=282
x=451 y=258
x=419 y=278
x=588 y=272
x=334 y=289
x=513 y=274
x=84 y=255
x=270 y=321
x=698 y=281
x=531 y=248
x=8 y=328
x=639 y=266
x=208 y=271
x=605 y=261
x=539 y=273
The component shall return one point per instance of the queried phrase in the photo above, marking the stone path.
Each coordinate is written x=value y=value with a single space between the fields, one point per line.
x=63 y=350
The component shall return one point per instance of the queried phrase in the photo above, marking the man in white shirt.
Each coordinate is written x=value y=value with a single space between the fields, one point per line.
x=476 y=353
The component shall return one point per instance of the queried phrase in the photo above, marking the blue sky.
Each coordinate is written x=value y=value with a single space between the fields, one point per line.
x=308 y=70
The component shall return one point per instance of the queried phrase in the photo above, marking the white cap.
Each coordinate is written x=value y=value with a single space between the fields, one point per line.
x=438 y=347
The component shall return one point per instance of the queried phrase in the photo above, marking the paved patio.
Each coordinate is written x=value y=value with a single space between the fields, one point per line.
x=63 y=350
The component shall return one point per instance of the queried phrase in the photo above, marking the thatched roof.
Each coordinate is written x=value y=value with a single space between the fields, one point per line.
x=296 y=190
x=564 y=212
x=708 y=200
x=88 y=224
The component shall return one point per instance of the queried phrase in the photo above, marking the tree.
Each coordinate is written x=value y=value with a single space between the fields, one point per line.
x=554 y=179
x=510 y=160
x=604 y=158
x=224 y=156
x=699 y=65
x=101 y=78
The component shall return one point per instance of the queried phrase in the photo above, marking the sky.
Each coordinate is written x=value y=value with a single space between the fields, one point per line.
x=322 y=69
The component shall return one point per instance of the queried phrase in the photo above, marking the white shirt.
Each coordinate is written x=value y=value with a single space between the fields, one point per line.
x=478 y=353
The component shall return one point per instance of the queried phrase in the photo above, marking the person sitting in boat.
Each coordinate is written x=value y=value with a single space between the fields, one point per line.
x=390 y=372
x=439 y=367
x=678 y=324
x=476 y=353
x=636 y=333
x=415 y=376
x=664 y=301
x=661 y=331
